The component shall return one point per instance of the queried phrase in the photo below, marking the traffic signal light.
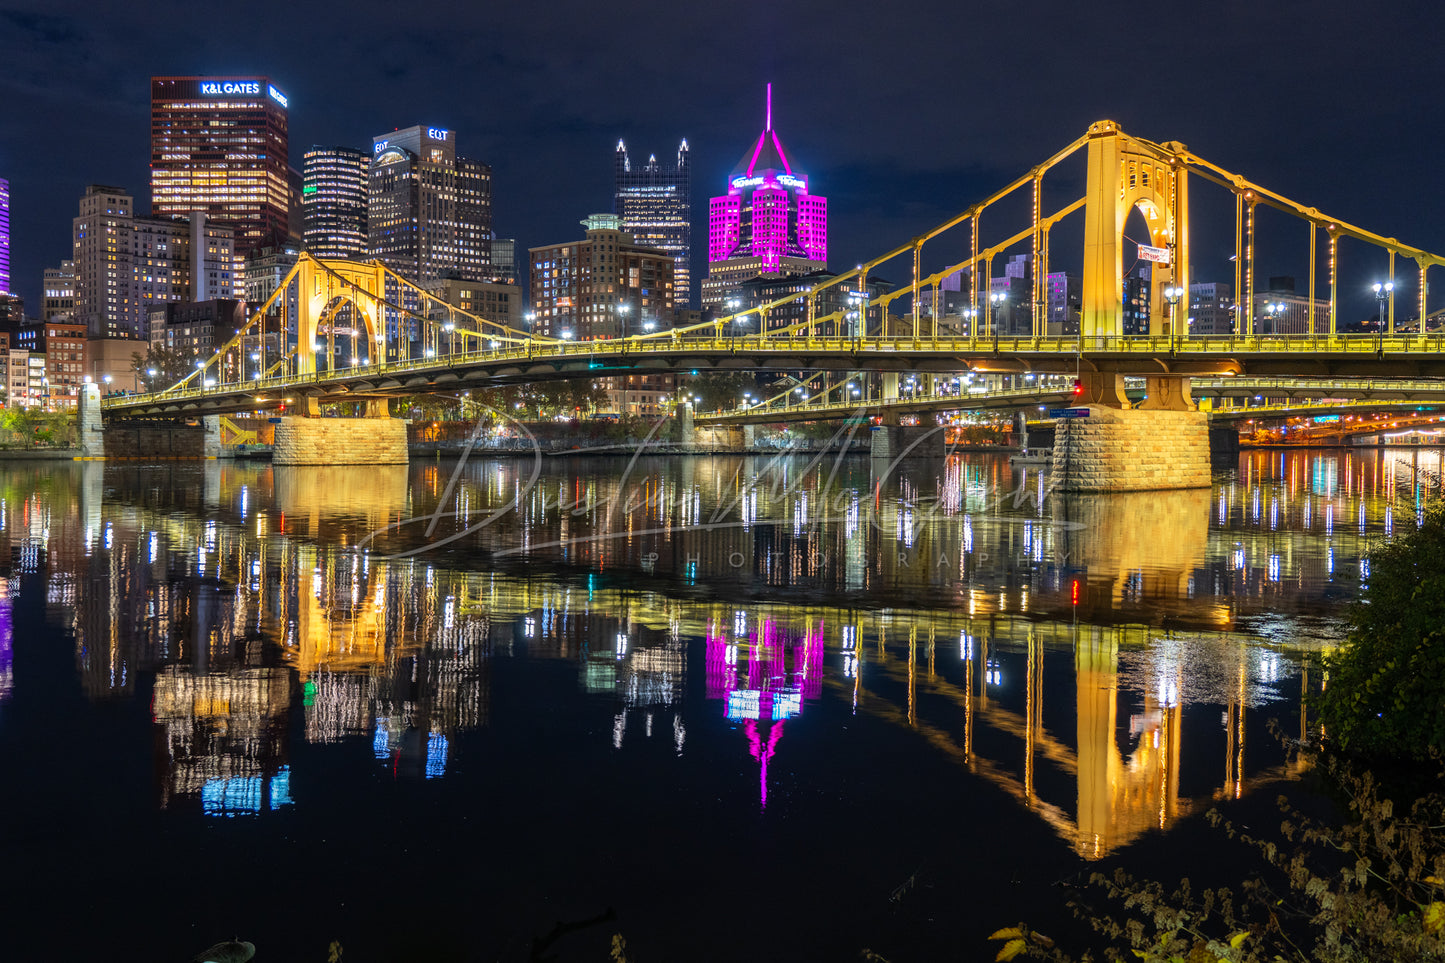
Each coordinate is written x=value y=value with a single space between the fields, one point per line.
x=1078 y=387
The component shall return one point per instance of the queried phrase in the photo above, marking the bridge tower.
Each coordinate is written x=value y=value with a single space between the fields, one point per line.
x=1126 y=173
x=323 y=290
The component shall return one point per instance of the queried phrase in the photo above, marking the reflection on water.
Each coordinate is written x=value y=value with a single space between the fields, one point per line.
x=1103 y=660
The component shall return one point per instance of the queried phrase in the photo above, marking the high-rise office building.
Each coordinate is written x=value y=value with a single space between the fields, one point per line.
x=767 y=223
x=59 y=292
x=333 y=202
x=606 y=286
x=429 y=211
x=504 y=260
x=603 y=286
x=4 y=236
x=1212 y=309
x=1136 y=300
x=219 y=145
x=654 y=201
x=125 y=264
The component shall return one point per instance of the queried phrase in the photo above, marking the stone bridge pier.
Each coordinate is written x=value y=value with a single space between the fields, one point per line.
x=1161 y=444
x=890 y=442
x=309 y=439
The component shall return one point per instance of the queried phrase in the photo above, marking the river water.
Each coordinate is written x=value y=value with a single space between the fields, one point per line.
x=727 y=707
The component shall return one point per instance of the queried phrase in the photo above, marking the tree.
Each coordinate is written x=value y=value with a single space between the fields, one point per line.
x=1386 y=694
x=1369 y=888
x=721 y=390
x=169 y=366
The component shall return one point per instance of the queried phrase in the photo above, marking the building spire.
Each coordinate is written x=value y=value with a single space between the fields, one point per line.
x=770 y=108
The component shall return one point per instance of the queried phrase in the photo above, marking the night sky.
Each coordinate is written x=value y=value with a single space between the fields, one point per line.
x=901 y=114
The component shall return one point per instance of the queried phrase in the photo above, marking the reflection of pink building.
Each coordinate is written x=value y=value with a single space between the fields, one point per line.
x=7 y=652
x=764 y=678
x=767 y=223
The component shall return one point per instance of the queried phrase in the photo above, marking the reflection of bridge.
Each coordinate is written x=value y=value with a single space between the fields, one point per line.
x=384 y=647
x=1118 y=795
x=339 y=330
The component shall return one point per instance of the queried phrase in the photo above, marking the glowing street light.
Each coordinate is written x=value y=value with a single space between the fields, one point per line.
x=998 y=299
x=1383 y=293
x=1274 y=311
x=1172 y=294
x=969 y=314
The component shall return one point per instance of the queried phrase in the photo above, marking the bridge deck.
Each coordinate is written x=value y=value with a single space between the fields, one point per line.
x=1304 y=356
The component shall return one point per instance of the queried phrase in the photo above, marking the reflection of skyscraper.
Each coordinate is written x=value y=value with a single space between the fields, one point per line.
x=764 y=676
x=654 y=201
x=7 y=652
x=767 y=223
x=411 y=693
x=225 y=737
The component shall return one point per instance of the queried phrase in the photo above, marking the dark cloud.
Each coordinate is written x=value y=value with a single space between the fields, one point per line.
x=40 y=28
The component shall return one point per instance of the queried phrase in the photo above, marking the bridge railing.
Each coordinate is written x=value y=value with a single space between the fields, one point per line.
x=963 y=400
x=963 y=348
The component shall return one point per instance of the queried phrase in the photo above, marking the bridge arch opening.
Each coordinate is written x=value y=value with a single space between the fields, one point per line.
x=327 y=287
x=1143 y=233
x=351 y=318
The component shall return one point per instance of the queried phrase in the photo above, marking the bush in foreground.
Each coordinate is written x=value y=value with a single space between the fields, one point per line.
x=1385 y=699
x=1370 y=890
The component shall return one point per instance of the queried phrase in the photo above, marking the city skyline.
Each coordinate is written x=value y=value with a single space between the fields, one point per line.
x=891 y=163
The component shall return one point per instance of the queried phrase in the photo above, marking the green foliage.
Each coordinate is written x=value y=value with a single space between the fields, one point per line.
x=33 y=428
x=547 y=399
x=720 y=390
x=1367 y=890
x=1386 y=693
x=169 y=367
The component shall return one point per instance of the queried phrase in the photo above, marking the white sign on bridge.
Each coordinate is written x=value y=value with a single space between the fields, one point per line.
x=1159 y=255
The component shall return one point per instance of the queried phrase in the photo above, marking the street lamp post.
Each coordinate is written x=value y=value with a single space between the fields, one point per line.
x=1172 y=294
x=1274 y=311
x=998 y=299
x=859 y=300
x=623 y=308
x=1382 y=298
x=970 y=315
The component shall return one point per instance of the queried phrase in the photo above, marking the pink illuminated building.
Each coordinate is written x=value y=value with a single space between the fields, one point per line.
x=764 y=675
x=767 y=224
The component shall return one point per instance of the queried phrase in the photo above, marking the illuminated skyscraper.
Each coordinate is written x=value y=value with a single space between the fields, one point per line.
x=333 y=201
x=604 y=286
x=125 y=265
x=767 y=223
x=429 y=212
x=654 y=201
x=4 y=236
x=219 y=145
